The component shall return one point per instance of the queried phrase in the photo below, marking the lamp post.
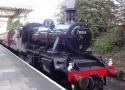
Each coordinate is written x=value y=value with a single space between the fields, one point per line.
x=70 y=10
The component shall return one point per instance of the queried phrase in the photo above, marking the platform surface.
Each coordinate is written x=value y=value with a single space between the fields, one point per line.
x=15 y=74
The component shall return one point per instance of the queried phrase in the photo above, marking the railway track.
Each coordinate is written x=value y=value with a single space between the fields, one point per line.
x=113 y=84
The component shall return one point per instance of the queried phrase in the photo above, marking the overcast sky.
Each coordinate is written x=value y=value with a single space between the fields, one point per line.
x=44 y=9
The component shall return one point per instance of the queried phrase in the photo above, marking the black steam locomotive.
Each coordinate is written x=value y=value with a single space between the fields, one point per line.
x=61 y=51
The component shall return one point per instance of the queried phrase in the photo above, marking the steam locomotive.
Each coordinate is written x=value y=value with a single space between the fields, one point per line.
x=61 y=51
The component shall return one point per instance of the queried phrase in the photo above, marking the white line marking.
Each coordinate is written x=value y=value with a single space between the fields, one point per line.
x=7 y=70
x=37 y=70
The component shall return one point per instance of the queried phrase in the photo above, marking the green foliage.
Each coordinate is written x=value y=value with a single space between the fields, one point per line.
x=61 y=16
x=13 y=24
x=111 y=42
x=120 y=11
x=96 y=13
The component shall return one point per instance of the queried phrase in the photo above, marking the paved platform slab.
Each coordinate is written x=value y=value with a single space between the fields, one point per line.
x=15 y=74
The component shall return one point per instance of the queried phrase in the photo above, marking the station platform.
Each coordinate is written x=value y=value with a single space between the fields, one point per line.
x=16 y=74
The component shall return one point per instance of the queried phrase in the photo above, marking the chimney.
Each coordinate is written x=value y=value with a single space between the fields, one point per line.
x=70 y=10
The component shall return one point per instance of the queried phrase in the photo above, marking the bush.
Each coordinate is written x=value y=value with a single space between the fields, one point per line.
x=107 y=43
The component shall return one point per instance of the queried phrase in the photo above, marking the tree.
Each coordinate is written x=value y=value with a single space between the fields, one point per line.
x=13 y=24
x=61 y=16
x=120 y=11
x=98 y=13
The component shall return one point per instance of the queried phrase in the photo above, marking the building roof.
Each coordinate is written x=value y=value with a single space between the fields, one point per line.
x=15 y=8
